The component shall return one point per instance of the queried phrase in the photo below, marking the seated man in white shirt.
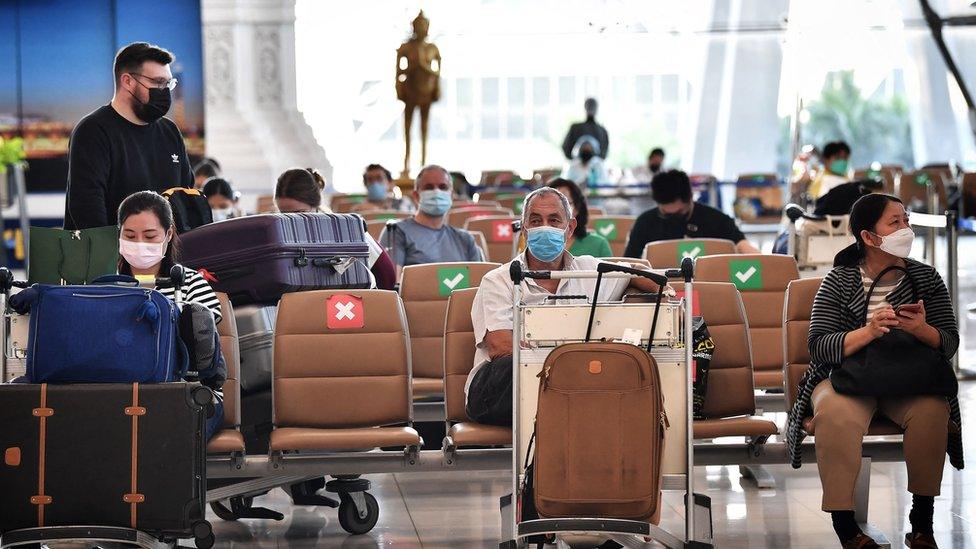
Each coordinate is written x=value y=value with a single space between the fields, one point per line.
x=547 y=220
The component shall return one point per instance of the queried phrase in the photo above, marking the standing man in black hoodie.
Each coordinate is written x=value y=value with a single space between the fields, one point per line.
x=590 y=127
x=126 y=146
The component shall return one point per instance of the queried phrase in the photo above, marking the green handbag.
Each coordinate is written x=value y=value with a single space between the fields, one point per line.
x=57 y=256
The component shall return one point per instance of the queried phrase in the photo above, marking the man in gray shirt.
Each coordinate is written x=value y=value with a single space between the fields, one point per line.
x=426 y=237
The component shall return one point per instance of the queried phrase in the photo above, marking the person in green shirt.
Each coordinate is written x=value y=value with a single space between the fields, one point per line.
x=584 y=242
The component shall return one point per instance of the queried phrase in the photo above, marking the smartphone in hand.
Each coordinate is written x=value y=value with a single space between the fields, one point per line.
x=910 y=308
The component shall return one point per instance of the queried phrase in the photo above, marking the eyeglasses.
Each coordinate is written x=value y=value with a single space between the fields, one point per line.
x=159 y=83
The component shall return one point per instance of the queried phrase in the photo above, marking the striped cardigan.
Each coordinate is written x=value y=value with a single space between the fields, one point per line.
x=838 y=309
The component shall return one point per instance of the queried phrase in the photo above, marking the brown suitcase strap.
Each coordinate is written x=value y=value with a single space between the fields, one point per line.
x=42 y=412
x=134 y=498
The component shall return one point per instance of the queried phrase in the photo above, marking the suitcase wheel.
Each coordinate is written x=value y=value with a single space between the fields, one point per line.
x=203 y=535
x=355 y=520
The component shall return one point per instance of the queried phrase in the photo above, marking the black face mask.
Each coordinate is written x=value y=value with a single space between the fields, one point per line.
x=673 y=217
x=654 y=168
x=585 y=155
x=157 y=106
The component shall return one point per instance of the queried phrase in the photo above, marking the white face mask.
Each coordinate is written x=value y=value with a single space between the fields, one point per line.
x=222 y=214
x=142 y=255
x=898 y=243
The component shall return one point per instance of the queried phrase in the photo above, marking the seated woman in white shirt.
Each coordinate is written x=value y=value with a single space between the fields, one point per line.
x=548 y=221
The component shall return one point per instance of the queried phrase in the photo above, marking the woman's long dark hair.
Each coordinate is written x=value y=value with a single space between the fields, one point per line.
x=865 y=214
x=148 y=201
x=579 y=204
x=302 y=184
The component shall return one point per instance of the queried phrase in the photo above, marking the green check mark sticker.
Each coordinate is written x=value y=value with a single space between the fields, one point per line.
x=690 y=248
x=384 y=217
x=453 y=278
x=519 y=204
x=746 y=274
x=607 y=228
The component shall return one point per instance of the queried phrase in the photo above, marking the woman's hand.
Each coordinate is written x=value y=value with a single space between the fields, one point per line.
x=882 y=321
x=913 y=321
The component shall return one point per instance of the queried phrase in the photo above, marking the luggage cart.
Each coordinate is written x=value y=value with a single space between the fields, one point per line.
x=545 y=326
x=14 y=331
x=814 y=240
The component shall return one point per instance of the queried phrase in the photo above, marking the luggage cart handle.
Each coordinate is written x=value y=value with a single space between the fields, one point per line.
x=609 y=270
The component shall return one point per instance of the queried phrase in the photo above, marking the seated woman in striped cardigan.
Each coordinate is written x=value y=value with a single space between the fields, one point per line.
x=840 y=328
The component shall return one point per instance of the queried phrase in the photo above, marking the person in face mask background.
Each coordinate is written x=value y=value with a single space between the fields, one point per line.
x=843 y=322
x=836 y=169
x=128 y=145
x=222 y=199
x=548 y=223
x=586 y=168
x=589 y=127
x=149 y=247
x=381 y=192
x=678 y=216
x=426 y=237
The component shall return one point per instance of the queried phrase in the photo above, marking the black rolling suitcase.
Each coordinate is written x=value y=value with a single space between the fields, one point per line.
x=105 y=455
x=258 y=258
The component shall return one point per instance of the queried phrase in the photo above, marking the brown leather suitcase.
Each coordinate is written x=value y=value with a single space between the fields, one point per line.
x=600 y=421
x=599 y=433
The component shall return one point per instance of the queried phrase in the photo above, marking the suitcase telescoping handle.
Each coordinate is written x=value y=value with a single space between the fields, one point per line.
x=604 y=267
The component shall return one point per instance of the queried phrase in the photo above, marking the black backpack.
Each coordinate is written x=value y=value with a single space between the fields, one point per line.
x=190 y=208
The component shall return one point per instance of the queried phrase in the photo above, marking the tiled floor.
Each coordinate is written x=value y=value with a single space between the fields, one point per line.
x=442 y=510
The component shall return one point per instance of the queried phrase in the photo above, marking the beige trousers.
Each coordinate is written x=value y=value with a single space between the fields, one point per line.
x=841 y=421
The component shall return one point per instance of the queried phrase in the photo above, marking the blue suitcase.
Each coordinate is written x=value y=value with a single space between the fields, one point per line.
x=102 y=334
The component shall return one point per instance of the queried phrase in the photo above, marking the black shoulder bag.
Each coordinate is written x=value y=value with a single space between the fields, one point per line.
x=895 y=364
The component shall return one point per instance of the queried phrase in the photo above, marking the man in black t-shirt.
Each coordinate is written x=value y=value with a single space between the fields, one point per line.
x=677 y=216
x=126 y=146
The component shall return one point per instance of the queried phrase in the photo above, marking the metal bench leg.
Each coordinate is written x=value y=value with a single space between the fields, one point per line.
x=763 y=478
x=862 y=491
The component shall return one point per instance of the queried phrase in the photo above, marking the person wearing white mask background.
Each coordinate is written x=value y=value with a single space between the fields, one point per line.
x=222 y=199
x=911 y=298
x=426 y=237
x=548 y=220
x=149 y=247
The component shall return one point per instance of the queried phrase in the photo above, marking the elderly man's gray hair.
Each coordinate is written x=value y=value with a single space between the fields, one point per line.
x=430 y=168
x=545 y=191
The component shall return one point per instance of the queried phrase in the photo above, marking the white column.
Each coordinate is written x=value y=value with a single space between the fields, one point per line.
x=253 y=126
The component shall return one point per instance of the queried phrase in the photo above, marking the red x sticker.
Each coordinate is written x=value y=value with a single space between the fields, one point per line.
x=501 y=231
x=345 y=311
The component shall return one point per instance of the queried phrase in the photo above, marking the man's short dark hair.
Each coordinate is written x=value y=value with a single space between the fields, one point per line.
x=371 y=167
x=671 y=186
x=656 y=151
x=834 y=148
x=131 y=57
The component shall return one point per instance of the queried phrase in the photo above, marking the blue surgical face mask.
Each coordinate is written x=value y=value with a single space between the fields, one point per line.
x=376 y=190
x=546 y=243
x=435 y=202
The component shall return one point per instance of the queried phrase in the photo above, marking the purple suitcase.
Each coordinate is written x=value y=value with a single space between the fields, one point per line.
x=258 y=258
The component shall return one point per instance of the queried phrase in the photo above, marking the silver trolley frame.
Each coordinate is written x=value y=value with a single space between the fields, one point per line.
x=629 y=533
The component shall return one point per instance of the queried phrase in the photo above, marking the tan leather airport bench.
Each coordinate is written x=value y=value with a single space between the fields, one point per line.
x=667 y=254
x=341 y=372
x=498 y=232
x=229 y=439
x=458 y=360
x=482 y=244
x=459 y=216
x=383 y=215
x=425 y=290
x=762 y=281
x=799 y=304
x=615 y=228
x=730 y=402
